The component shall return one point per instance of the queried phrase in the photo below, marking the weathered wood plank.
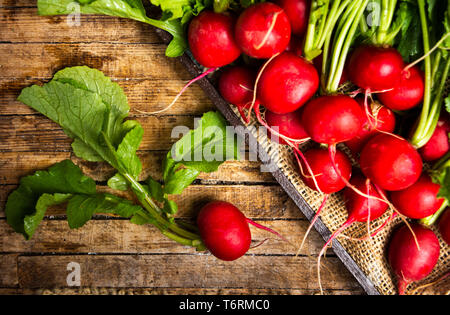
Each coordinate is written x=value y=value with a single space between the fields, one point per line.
x=117 y=60
x=8 y=270
x=145 y=95
x=14 y=165
x=191 y=271
x=25 y=25
x=17 y=3
x=174 y=291
x=38 y=133
x=257 y=201
x=121 y=236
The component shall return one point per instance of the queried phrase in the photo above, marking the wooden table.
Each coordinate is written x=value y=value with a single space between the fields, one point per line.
x=114 y=255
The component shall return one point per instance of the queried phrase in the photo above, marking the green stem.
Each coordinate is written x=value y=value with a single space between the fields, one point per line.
x=418 y=134
x=426 y=129
x=432 y=219
x=155 y=212
x=344 y=42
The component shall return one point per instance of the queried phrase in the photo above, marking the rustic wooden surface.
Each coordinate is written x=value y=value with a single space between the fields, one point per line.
x=116 y=256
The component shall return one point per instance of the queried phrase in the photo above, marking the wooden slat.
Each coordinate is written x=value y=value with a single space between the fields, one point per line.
x=14 y=165
x=257 y=201
x=191 y=271
x=38 y=133
x=145 y=95
x=25 y=25
x=174 y=291
x=120 y=236
x=17 y=3
x=8 y=270
x=116 y=60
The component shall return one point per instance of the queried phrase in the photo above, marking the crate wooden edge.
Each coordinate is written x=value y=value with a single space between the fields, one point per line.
x=188 y=61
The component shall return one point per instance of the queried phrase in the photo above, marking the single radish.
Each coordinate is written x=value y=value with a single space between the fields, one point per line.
x=298 y=14
x=211 y=39
x=289 y=125
x=324 y=177
x=409 y=262
x=444 y=226
x=439 y=144
x=384 y=122
x=375 y=68
x=236 y=87
x=263 y=30
x=225 y=230
x=419 y=200
x=287 y=83
x=363 y=209
x=320 y=173
x=391 y=162
x=407 y=93
x=333 y=119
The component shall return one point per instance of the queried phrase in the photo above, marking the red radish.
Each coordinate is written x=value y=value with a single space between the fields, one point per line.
x=224 y=230
x=375 y=68
x=409 y=262
x=408 y=92
x=384 y=122
x=321 y=166
x=236 y=87
x=287 y=83
x=419 y=200
x=319 y=172
x=333 y=119
x=298 y=14
x=362 y=209
x=439 y=143
x=211 y=39
x=295 y=46
x=444 y=226
x=289 y=125
x=263 y=30
x=391 y=162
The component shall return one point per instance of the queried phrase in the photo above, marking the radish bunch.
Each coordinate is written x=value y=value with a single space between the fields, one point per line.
x=294 y=66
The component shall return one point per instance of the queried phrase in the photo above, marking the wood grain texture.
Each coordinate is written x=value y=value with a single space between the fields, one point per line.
x=116 y=256
x=257 y=201
x=145 y=95
x=120 y=236
x=194 y=271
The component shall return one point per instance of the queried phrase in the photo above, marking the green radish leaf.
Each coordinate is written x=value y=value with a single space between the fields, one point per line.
x=31 y=222
x=81 y=208
x=170 y=207
x=118 y=182
x=447 y=103
x=156 y=190
x=179 y=179
x=203 y=149
x=62 y=178
x=91 y=109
